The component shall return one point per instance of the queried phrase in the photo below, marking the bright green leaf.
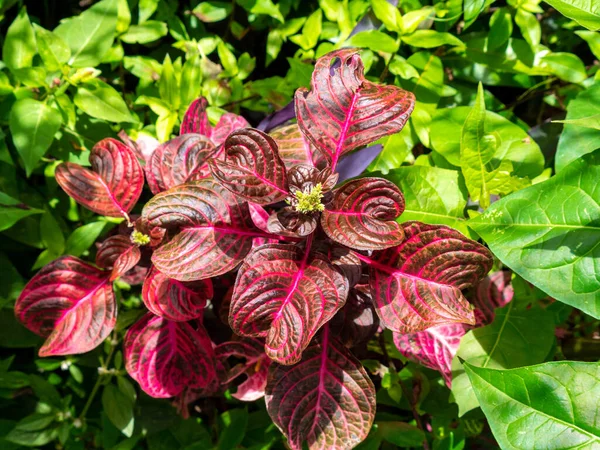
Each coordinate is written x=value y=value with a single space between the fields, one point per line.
x=587 y=122
x=53 y=50
x=311 y=31
x=265 y=7
x=411 y=20
x=12 y=210
x=529 y=26
x=430 y=39
x=388 y=14
x=593 y=40
x=212 y=11
x=501 y=28
x=565 y=66
x=19 y=43
x=374 y=40
x=584 y=12
x=146 y=8
x=191 y=80
x=168 y=85
x=102 y=101
x=149 y=31
x=472 y=9
x=83 y=238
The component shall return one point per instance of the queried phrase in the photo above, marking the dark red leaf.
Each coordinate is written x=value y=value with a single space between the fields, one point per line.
x=227 y=124
x=113 y=185
x=363 y=214
x=434 y=347
x=167 y=357
x=344 y=111
x=494 y=291
x=285 y=294
x=214 y=230
x=196 y=119
x=252 y=167
x=119 y=254
x=256 y=367
x=417 y=284
x=71 y=303
x=357 y=320
x=288 y=222
x=326 y=400
x=294 y=148
x=175 y=300
x=179 y=160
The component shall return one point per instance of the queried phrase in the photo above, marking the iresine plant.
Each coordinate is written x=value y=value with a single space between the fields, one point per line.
x=259 y=228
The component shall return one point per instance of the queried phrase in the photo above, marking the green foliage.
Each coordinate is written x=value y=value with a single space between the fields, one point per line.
x=503 y=145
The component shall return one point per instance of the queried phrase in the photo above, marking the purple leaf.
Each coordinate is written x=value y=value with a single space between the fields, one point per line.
x=167 y=358
x=277 y=118
x=344 y=111
x=362 y=214
x=353 y=165
x=326 y=400
x=212 y=229
x=434 y=347
x=252 y=168
x=417 y=284
x=71 y=304
x=285 y=294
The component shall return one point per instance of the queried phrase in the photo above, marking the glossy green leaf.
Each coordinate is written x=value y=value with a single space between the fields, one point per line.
x=233 y=427
x=429 y=85
x=191 y=80
x=509 y=341
x=19 y=43
x=396 y=149
x=146 y=8
x=549 y=234
x=593 y=40
x=33 y=125
x=33 y=431
x=501 y=28
x=388 y=14
x=212 y=11
x=472 y=9
x=587 y=122
x=529 y=26
x=149 y=31
x=565 y=66
x=51 y=234
x=82 y=238
x=576 y=141
x=12 y=210
x=412 y=19
x=432 y=195
x=552 y=405
x=584 y=12
x=119 y=409
x=168 y=85
x=265 y=7
x=102 y=101
x=91 y=34
x=374 y=40
x=53 y=50
x=431 y=39
x=311 y=31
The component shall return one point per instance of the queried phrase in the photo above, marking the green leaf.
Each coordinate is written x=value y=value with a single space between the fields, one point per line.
x=168 y=85
x=102 y=101
x=428 y=86
x=565 y=66
x=191 y=80
x=509 y=341
x=585 y=12
x=551 y=405
x=472 y=9
x=212 y=11
x=227 y=59
x=514 y=144
x=395 y=151
x=12 y=210
x=119 y=409
x=19 y=43
x=399 y=66
x=374 y=40
x=388 y=14
x=91 y=34
x=45 y=391
x=529 y=26
x=233 y=428
x=146 y=8
x=123 y=17
x=265 y=7
x=549 y=234
x=593 y=40
x=12 y=281
x=576 y=141
x=483 y=174
x=149 y=31
x=311 y=31
x=83 y=238
x=431 y=39
x=33 y=431
x=51 y=234
x=587 y=122
x=33 y=125
x=411 y=20
x=400 y=433
x=432 y=195
x=501 y=28
x=53 y=50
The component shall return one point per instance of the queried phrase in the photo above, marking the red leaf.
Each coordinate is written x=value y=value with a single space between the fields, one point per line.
x=114 y=184
x=417 y=284
x=179 y=160
x=434 y=347
x=195 y=119
x=69 y=302
x=494 y=291
x=256 y=367
x=227 y=124
x=214 y=227
x=357 y=320
x=119 y=254
x=285 y=295
x=252 y=168
x=363 y=214
x=344 y=111
x=294 y=148
x=326 y=400
x=175 y=300
x=167 y=357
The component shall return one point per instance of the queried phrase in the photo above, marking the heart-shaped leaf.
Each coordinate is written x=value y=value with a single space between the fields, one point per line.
x=119 y=254
x=113 y=185
x=285 y=294
x=294 y=148
x=175 y=300
x=362 y=214
x=494 y=291
x=166 y=358
x=344 y=111
x=195 y=119
x=226 y=125
x=326 y=400
x=179 y=160
x=71 y=303
x=434 y=347
x=214 y=227
x=252 y=168
x=417 y=284
x=256 y=367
